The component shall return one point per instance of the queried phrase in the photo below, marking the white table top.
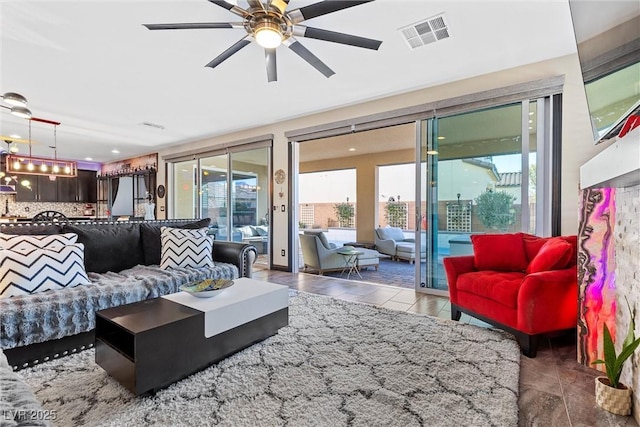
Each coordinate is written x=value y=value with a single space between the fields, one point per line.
x=246 y=300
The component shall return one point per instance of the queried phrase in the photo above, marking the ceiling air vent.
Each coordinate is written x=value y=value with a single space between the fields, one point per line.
x=427 y=31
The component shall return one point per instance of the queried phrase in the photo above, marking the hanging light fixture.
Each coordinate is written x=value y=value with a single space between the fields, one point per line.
x=5 y=181
x=18 y=104
x=34 y=165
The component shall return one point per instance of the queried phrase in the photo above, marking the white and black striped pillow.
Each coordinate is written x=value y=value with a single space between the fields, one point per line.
x=185 y=248
x=38 y=270
x=19 y=242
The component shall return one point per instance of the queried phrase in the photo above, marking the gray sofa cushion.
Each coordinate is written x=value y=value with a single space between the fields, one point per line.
x=109 y=247
x=51 y=315
x=150 y=234
x=391 y=233
x=16 y=399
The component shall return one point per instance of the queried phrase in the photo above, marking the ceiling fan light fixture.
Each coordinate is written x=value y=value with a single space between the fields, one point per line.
x=15 y=99
x=22 y=112
x=268 y=34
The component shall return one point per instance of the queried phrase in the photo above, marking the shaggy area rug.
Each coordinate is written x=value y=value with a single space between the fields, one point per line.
x=336 y=364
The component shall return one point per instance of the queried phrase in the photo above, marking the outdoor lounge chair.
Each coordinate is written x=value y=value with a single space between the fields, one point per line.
x=320 y=255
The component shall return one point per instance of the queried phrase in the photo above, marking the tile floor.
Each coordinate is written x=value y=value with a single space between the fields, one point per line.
x=554 y=389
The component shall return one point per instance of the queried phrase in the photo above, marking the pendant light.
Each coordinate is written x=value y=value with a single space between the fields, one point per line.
x=43 y=166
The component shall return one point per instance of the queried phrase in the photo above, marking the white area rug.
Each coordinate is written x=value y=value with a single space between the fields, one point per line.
x=336 y=364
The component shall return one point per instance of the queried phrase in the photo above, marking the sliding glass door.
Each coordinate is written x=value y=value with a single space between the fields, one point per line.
x=214 y=193
x=185 y=189
x=232 y=189
x=249 y=199
x=479 y=174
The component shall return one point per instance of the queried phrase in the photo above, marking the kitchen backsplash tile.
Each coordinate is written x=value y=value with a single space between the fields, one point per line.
x=29 y=209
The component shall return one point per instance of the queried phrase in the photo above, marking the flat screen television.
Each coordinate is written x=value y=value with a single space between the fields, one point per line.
x=608 y=39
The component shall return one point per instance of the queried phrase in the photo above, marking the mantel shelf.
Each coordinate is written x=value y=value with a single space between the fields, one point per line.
x=616 y=166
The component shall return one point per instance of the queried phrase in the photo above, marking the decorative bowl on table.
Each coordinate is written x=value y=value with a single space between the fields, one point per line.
x=207 y=288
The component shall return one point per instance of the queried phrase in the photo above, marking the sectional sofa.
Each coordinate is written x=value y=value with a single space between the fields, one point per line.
x=122 y=264
x=18 y=404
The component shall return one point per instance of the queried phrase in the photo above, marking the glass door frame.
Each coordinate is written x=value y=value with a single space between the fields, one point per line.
x=249 y=145
x=426 y=151
x=548 y=89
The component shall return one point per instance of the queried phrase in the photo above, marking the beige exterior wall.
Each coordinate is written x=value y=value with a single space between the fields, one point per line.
x=366 y=174
x=577 y=138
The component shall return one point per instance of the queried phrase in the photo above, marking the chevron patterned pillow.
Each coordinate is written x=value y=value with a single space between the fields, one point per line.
x=17 y=242
x=38 y=270
x=185 y=248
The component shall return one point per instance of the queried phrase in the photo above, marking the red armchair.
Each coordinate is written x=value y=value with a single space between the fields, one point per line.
x=524 y=284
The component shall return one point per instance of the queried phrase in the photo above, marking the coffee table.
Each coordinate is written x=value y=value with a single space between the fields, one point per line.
x=151 y=344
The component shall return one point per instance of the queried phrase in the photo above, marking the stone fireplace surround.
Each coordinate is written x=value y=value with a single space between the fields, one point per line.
x=614 y=173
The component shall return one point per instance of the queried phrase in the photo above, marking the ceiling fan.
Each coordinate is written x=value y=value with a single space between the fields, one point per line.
x=269 y=24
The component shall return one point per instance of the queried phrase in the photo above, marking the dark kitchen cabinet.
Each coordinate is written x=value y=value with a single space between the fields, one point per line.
x=47 y=189
x=41 y=189
x=67 y=189
x=82 y=188
x=87 y=186
x=27 y=193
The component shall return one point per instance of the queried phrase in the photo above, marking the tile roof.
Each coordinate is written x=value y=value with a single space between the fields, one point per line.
x=510 y=179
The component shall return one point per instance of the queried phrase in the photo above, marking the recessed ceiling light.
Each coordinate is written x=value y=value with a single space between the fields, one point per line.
x=15 y=135
x=88 y=159
x=441 y=137
x=352 y=149
x=115 y=151
x=531 y=113
x=530 y=128
x=432 y=152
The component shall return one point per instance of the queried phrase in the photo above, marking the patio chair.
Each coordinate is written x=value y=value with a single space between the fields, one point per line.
x=391 y=241
x=321 y=256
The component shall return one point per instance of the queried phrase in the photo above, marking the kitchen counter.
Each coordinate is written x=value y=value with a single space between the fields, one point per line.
x=10 y=218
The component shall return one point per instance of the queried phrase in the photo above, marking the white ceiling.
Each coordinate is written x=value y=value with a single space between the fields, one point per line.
x=92 y=66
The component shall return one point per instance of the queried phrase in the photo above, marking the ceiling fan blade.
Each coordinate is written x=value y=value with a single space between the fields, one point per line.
x=321 y=8
x=333 y=36
x=231 y=8
x=230 y=51
x=192 y=26
x=305 y=54
x=256 y=5
x=279 y=5
x=270 y=60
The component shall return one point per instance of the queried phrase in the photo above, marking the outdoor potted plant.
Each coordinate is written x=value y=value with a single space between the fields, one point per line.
x=611 y=394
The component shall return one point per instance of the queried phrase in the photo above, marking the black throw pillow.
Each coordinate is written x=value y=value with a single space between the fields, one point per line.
x=150 y=233
x=109 y=247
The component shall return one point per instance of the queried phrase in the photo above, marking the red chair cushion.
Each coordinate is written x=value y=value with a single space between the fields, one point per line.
x=554 y=254
x=499 y=286
x=501 y=252
x=533 y=244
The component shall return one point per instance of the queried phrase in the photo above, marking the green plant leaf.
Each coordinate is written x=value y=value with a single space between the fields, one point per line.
x=632 y=327
x=626 y=352
x=610 y=357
